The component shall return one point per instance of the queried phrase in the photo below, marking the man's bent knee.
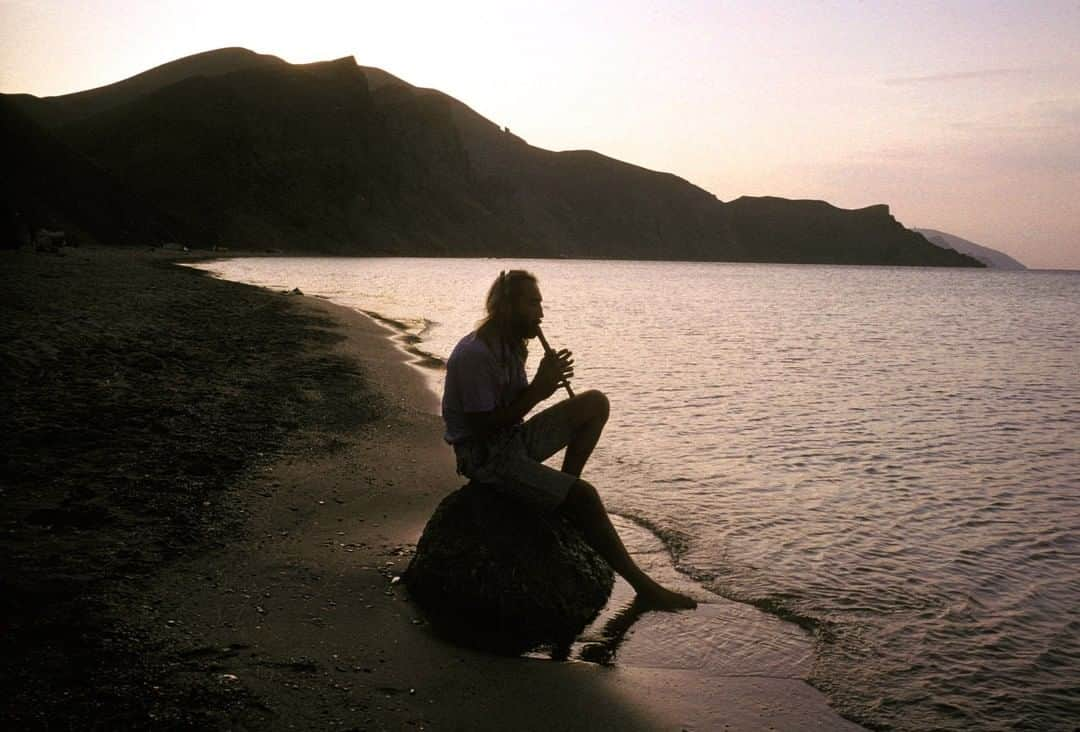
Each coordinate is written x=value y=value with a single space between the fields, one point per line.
x=581 y=496
x=596 y=404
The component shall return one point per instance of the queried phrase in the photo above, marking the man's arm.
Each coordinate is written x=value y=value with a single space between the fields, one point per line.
x=553 y=369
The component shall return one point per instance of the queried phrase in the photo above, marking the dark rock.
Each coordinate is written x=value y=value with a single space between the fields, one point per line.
x=495 y=573
x=49 y=241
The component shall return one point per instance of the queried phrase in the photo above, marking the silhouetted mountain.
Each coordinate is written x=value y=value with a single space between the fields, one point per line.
x=990 y=257
x=251 y=152
x=55 y=111
x=48 y=185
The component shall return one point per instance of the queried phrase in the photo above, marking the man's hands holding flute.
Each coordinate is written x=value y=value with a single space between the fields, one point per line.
x=556 y=368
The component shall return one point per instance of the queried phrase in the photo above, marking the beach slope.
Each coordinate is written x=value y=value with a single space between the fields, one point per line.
x=211 y=492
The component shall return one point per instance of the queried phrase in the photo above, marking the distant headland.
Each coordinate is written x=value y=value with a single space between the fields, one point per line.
x=990 y=257
x=230 y=148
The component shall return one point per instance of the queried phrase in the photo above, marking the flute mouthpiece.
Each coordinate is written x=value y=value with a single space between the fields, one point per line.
x=543 y=340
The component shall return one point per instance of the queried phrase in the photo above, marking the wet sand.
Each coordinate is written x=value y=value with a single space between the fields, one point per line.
x=256 y=588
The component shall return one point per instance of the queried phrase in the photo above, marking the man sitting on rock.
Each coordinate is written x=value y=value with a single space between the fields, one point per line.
x=486 y=398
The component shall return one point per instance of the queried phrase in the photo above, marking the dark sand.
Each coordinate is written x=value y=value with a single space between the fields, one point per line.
x=208 y=491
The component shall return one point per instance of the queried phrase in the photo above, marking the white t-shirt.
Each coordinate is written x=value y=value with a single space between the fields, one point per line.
x=478 y=381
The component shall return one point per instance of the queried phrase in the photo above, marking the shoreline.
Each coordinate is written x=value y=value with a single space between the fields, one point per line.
x=311 y=611
x=758 y=700
x=277 y=607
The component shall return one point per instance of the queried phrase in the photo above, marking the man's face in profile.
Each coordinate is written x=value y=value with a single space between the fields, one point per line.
x=528 y=311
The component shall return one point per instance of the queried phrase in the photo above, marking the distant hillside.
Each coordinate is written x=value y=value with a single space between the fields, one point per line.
x=990 y=257
x=244 y=150
x=47 y=184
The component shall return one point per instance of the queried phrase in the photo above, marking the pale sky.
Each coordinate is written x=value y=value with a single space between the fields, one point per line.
x=962 y=116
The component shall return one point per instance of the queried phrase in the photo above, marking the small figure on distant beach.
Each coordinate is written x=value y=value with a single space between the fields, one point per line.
x=486 y=398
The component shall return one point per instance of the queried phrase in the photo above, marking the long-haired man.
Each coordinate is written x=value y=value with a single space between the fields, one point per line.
x=485 y=401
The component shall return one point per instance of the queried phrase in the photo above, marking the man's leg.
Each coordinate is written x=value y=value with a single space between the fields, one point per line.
x=585 y=509
x=589 y=413
x=577 y=423
x=574 y=423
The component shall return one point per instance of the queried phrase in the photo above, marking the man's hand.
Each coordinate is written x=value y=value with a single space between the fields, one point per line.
x=553 y=370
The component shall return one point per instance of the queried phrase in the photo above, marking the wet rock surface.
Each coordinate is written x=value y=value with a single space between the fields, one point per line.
x=491 y=572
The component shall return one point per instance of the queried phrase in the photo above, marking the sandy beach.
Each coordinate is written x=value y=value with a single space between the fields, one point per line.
x=209 y=494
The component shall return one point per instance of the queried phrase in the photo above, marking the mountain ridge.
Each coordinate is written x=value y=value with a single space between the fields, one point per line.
x=53 y=111
x=247 y=151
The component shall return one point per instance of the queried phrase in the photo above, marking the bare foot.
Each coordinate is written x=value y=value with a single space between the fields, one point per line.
x=661 y=598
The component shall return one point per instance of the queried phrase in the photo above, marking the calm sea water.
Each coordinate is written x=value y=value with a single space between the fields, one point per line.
x=889 y=458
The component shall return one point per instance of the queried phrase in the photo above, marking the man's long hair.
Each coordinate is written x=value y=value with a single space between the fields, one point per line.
x=500 y=311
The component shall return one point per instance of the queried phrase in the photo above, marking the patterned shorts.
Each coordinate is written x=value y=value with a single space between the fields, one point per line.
x=512 y=461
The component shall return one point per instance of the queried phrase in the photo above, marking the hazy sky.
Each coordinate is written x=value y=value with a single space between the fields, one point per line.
x=962 y=116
